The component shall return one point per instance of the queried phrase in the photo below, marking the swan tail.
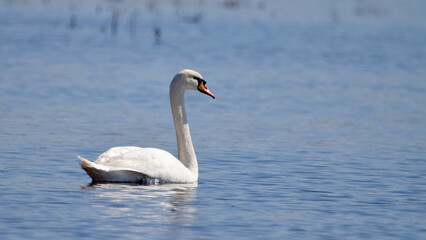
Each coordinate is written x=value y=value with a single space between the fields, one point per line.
x=101 y=173
x=95 y=171
x=85 y=163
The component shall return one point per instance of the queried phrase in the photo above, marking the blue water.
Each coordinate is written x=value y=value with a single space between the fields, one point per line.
x=318 y=130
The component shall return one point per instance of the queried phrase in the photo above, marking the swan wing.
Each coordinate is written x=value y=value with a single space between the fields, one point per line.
x=151 y=162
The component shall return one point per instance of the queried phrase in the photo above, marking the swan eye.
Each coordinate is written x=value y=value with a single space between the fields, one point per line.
x=200 y=80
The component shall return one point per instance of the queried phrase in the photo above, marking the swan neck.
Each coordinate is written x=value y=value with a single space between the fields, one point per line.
x=186 y=153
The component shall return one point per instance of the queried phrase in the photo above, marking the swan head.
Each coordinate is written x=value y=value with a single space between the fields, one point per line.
x=192 y=80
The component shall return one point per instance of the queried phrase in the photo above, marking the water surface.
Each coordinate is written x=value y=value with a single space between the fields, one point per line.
x=318 y=130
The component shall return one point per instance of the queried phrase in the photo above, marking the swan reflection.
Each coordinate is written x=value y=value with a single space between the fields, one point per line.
x=146 y=203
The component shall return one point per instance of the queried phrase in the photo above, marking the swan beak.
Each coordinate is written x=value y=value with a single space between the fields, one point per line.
x=202 y=88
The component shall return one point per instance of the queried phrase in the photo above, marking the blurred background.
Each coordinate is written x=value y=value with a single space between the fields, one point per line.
x=318 y=130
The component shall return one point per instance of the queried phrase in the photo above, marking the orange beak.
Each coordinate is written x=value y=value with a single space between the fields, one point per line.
x=202 y=88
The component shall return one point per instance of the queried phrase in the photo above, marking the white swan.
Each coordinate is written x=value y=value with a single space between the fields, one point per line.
x=152 y=165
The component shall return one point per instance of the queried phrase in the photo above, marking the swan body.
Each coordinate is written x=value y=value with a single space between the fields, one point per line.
x=153 y=165
x=135 y=164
